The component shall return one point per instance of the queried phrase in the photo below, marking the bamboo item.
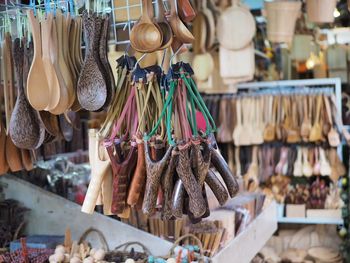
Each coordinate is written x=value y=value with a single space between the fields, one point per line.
x=320 y=11
x=281 y=19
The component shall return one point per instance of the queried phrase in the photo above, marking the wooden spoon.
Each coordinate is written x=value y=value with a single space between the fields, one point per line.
x=251 y=181
x=163 y=25
x=333 y=135
x=68 y=69
x=27 y=160
x=210 y=21
x=316 y=130
x=239 y=128
x=49 y=69
x=24 y=124
x=298 y=164
x=145 y=36
x=91 y=88
x=3 y=163
x=306 y=124
x=325 y=167
x=37 y=82
x=317 y=165
x=270 y=128
x=13 y=155
x=60 y=66
x=257 y=122
x=181 y=32
x=307 y=168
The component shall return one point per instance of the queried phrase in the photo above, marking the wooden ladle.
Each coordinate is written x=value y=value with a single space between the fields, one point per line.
x=145 y=36
x=163 y=25
x=181 y=32
x=37 y=82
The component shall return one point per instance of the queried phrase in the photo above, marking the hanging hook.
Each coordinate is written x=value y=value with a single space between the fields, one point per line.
x=176 y=52
x=138 y=61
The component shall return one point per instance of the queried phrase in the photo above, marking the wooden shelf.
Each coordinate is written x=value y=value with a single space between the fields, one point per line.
x=247 y=244
x=312 y=221
x=51 y=214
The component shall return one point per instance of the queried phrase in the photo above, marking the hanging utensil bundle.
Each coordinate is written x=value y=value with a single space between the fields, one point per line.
x=158 y=135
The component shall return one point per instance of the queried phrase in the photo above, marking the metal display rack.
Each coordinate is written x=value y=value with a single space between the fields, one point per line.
x=333 y=84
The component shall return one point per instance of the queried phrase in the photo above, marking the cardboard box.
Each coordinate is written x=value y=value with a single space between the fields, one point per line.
x=295 y=211
x=324 y=213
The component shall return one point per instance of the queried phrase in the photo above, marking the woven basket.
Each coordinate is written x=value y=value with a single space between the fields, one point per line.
x=122 y=252
x=191 y=238
x=281 y=18
x=320 y=11
x=99 y=234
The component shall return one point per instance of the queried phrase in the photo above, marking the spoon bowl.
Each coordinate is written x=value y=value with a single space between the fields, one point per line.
x=179 y=29
x=145 y=36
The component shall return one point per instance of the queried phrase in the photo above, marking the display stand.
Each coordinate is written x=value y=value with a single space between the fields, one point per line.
x=51 y=214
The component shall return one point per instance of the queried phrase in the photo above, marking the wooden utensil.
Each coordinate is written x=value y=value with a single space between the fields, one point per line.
x=307 y=168
x=37 y=82
x=91 y=89
x=231 y=33
x=298 y=164
x=251 y=181
x=306 y=123
x=199 y=27
x=317 y=165
x=60 y=66
x=211 y=28
x=163 y=25
x=13 y=155
x=27 y=160
x=3 y=162
x=180 y=31
x=237 y=64
x=333 y=135
x=203 y=66
x=145 y=36
x=68 y=69
x=98 y=171
x=24 y=124
x=257 y=122
x=186 y=11
x=316 y=130
x=49 y=68
x=325 y=167
x=271 y=110
x=239 y=128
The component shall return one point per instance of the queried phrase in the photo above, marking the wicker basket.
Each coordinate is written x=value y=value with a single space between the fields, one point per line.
x=123 y=252
x=281 y=18
x=320 y=11
x=191 y=239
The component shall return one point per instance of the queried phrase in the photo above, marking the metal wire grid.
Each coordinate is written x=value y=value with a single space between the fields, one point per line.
x=121 y=29
x=126 y=26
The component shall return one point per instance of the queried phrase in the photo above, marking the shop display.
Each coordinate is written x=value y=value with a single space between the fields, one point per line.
x=133 y=110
